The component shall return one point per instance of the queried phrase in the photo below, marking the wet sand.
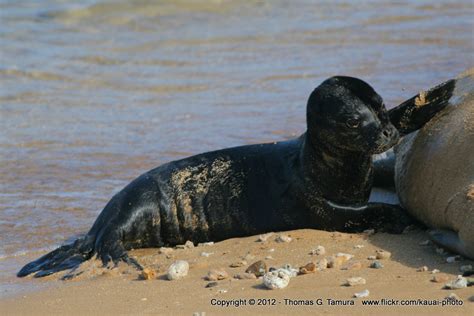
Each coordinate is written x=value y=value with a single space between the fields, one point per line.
x=120 y=291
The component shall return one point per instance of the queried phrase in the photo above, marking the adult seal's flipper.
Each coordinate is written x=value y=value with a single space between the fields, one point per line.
x=412 y=114
x=408 y=117
x=450 y=240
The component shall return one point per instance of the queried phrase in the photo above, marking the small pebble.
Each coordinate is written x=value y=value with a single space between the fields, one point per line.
x=459 y=283
x=206 y=254
x=422 y=269
x=453 y=296
x=362 y=294
x=335 y=262
x=322 y=264
x=283 y=238
x=382 y=254
x=221 y=291
x=269 y=258
x=369 y=231
x=308 y=268
x=238 y=264
x=358 y=246
x=453 y=259
x=178 y=270
x=471 y=299
x=288 y=269
x=376 y=265
x=466 y=268
x=440 y=278
x=345 y=255
x=355 y=281
x=217 y=275
x=144 y=299
x=165 y=250
x=318 y=251
x=372 y=258
x=212 y=284
x=425 y=242
x=276 y=280
x=434 y=271
x=204 y=244
x=264 y=237
x=245 y=276
x=189 y=244
x=352 y=265
x=258 y=268
x=148 y=274
x=271 y=250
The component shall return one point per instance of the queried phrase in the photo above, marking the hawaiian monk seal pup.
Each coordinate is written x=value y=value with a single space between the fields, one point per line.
x=321 y=179
x=434 y=171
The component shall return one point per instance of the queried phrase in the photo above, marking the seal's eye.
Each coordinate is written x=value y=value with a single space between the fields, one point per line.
x=352 y=123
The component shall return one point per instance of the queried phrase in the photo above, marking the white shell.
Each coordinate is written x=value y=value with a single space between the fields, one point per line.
x=178 y=270
x=277 y=279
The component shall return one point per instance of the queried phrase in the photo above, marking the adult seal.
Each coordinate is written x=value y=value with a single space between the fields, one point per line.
x=320 y=180
x=434 y=171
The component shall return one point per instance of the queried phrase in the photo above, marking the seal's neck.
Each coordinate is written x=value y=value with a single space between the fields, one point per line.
x=341 y=176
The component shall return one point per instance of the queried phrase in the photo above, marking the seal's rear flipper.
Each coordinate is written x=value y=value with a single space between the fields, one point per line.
x=63 y=258
x=450 y=240
x=71 y=256
x=412 y=114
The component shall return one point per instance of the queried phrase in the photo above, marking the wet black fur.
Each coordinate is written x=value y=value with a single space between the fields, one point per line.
x=320 y=180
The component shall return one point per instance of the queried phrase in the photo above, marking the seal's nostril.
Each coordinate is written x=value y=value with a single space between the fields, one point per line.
x=386 y=133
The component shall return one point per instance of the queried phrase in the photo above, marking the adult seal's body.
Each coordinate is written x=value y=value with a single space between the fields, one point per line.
x=434 y=171
x=320 y=180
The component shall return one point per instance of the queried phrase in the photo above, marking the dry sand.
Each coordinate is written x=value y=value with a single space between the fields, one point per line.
x=120 y=291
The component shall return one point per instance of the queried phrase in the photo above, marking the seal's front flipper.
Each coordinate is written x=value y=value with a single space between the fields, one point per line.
x=412 y=114
x=450 y=240
x=385 y=217
x=388 y=218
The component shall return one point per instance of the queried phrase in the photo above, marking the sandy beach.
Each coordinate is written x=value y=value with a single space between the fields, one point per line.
x=121 y=290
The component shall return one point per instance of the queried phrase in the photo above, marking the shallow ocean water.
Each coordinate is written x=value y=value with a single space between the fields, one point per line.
x=96 y=93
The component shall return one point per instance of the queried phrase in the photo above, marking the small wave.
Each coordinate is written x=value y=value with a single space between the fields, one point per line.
x=38 y=75
x=21 y=253
x=122 y=12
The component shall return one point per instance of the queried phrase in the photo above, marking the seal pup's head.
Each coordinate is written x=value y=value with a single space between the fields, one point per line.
x=346 y=114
